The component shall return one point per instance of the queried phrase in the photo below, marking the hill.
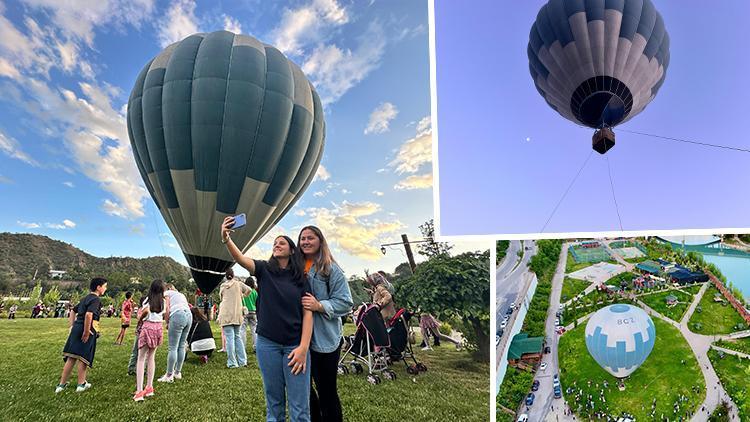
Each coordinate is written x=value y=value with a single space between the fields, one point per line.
x=21 y=255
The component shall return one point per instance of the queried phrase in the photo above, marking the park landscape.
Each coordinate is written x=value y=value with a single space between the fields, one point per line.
x=699 y=365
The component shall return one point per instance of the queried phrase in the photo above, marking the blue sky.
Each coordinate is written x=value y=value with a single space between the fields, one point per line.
x=506 y=155
x=66 y=168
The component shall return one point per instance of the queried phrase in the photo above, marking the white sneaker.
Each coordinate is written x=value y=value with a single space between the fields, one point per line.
x=166 y=378
x=177 y=375
x=83 y=387
x=427 y=348
x=60 y=387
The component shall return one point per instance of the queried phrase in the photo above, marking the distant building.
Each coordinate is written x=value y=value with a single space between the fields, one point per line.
x=525 y=351
x=682 y=276
x=58 y=274
x=649 y=267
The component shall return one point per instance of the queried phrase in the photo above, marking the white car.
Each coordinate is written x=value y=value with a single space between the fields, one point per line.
x=523 y=418
x=512 y=305
x=497 y=340
x=504 y=323
x=543 y=366
x=557 y=322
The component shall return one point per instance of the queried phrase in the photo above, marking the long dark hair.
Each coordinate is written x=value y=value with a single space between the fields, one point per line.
x=156 y=296
x=296 y=264
x=324 y=261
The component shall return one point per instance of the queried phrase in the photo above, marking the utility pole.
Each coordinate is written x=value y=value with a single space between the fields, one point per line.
x=409 y=254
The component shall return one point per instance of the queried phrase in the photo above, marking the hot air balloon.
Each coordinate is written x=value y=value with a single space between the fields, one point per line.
x=598 y=62
x=222 y=124
x=620 y=337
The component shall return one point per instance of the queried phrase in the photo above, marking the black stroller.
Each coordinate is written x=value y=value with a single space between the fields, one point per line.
x=369 y=346
x=399 y=333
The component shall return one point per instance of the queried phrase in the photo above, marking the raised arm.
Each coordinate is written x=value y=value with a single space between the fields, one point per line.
x=245 y=261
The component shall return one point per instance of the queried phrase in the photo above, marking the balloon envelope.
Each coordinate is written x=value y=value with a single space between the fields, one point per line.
x=222 y=124
x=620 y=337
x=598 y=63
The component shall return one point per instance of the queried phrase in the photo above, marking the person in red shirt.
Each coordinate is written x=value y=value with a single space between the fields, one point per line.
x=126 y=312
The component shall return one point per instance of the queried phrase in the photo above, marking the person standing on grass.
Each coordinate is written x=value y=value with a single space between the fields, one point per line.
x=12 y=311
x=134 y=353
x=250 y=320
x=152 y=314
x=179 y=320
x=330 y=300
x=125 y=313
x=231 y=317
x=84 y=330
x=284 y=326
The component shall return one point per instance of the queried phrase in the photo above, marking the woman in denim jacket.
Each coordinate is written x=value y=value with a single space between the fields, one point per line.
x=331 y=299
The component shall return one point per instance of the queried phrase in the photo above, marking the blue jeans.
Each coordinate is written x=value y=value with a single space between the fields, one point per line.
x=235 y=348
x=250 y=321
x=278 y=382
x=177 y=332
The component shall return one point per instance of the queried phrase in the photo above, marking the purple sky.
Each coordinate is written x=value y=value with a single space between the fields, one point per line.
x=494 y=181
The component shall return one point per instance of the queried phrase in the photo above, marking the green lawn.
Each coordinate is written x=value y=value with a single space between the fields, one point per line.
x=455 y=387
x=694 y=289
x=657 y=302
x=662 y=375
x=714 y=318
x=740 y=344
x=734 y=373
x=572 y=287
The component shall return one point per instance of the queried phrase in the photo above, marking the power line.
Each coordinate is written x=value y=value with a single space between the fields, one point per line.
x=566 y=191
x=685 y=141
x=612 y=185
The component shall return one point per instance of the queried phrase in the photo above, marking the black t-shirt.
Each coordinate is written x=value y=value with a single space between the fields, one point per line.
x=279 y=305
x=90 y=303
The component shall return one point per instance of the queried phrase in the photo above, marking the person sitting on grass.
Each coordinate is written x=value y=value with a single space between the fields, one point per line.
x=84 y=329
x=200 y=338
x=127 y=310
x=152 y=314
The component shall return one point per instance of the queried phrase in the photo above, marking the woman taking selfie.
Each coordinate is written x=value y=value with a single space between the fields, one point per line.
x=330 y=300
x=284 y=326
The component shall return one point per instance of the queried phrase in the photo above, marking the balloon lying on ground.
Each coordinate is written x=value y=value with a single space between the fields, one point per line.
x=222 y=124
x=598 y=63
x=620 y=337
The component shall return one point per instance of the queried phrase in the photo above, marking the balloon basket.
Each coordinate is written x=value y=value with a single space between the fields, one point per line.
x=603 y=140
x=621 y=385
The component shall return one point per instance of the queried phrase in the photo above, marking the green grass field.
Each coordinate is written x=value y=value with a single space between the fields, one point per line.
x=572 y=287
x=740 y=344
x=572 y=266
x=657 y=302
x=714 y=318
x=662 y=375
x=734 y=373
x=455 y=387
x=693 y=290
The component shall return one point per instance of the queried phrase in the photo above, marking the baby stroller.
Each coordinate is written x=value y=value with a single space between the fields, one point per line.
x=368 y=346
x=399 y=333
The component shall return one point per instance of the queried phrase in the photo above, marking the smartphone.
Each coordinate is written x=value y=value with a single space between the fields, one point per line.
x=239 y=221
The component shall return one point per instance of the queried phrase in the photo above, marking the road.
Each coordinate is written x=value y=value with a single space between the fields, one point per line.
x=513 y=279
x=545 y=400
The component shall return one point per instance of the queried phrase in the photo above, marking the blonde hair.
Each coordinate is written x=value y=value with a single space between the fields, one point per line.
x=324 y=261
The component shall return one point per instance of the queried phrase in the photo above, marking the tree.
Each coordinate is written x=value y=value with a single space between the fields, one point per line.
x=356 y=286
x=35 y=296
x=454 y=288
x=52 y=296
x=431 y=248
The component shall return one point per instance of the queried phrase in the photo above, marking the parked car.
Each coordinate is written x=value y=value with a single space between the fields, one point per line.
x=557 y=322
x=535 y=385
x=497 y=339
x=504 y=323
x=512 y=305
x=558 y=392
x=509 y=311
x=556 y=380
x=546 y=349
x=523 y=418
x=530 y=399
x=543 y=366
x=501 y=332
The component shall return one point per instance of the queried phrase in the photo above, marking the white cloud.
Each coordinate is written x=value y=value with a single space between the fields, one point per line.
x=69 y=184
x=12 y=149
x=66 y=224
x=8 y=70
x=28 y=225
x=334 y=71
x=180 y=23
x=380 y=118
x=377 y=193
x=345 y=191
x=232 y=25
x=415 y=151
x=381 y=170
x=307 y=24
x=322 y=174
x=300 y=213
x=423 y=181
x=319 y=194
x=5 y=180
x=353 y=227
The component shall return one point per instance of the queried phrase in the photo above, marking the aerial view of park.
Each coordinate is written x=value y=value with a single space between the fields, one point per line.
x=627 y=329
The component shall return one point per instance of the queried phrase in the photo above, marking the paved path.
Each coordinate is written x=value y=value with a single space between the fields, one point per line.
x=512 y=286
x=731 y=352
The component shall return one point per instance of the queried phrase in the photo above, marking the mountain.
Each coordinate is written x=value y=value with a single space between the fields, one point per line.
x=21 y=255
